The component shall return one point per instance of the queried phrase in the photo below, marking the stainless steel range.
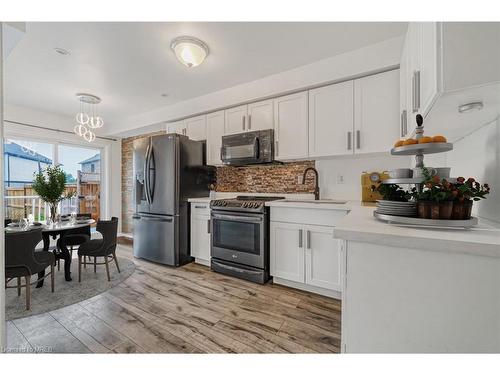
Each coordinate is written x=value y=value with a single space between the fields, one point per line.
x=240 y=237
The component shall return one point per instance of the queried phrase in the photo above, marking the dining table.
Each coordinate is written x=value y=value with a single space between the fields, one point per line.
x=60 y=228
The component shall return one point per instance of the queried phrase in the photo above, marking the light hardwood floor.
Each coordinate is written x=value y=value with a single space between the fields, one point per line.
x=185 y=310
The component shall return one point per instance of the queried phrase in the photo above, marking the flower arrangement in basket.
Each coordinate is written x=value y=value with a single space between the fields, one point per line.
x=441 y=199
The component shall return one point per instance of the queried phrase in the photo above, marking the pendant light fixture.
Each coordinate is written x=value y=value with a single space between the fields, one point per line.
x=189 y=50
x=87 y=118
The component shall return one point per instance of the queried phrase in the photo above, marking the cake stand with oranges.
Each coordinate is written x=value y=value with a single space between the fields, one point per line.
x=419 y=146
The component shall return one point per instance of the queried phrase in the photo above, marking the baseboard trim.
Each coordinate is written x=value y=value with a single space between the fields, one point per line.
x=308 y=288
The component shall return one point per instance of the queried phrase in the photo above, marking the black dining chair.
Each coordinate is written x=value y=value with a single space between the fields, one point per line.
x=21 y=260
x=74 y=237
x=104 y=247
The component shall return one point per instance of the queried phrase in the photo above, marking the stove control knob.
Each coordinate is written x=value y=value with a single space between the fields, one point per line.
x=224 y=203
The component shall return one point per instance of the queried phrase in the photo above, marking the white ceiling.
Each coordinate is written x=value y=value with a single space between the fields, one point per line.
x=130 y=64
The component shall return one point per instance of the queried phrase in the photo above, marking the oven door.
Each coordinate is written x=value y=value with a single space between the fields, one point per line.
x=238 y=237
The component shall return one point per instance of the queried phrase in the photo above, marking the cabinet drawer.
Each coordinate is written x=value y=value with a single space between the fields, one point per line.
x=309 y=216
x=200 y=209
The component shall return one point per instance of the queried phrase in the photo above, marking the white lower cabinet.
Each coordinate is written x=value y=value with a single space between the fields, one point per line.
x=306 y=257
x=323 y=261
x=200 y=233
x=287 y=251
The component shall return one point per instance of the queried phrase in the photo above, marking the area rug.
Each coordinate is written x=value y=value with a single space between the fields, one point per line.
x=66 y=293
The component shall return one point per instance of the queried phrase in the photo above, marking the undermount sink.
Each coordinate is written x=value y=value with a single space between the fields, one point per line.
x=322 y=201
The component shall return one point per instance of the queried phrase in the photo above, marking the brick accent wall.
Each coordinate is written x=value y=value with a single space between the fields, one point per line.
x=266 y=178
x=127 y=181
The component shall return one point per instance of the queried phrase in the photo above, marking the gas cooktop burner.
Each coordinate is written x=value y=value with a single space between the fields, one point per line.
x=243 y=203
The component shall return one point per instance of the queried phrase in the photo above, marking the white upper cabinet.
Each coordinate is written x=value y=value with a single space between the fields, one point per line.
x=331 y=120
x=178 y=127
x=236 y=119
x=404 y=90
x=215 y=131
x=260 y=115
x=376 y=112
x=196 y=128
x=291 y=131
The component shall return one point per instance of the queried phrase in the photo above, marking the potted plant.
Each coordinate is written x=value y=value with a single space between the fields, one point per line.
x=435 y=201
x=468 y=191
x=393 y=193
x=50 y=184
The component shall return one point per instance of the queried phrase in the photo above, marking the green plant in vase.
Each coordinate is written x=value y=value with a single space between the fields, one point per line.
x=468 y=191
x=50 y=184
x=393 y=193
x=435 y=201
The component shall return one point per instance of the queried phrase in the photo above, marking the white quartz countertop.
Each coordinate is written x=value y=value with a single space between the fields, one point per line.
x=360 y=225
x=200 y=200
x=325 y=204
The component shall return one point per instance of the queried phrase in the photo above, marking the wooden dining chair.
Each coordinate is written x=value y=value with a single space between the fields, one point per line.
x=104 y=247
x=21 y=260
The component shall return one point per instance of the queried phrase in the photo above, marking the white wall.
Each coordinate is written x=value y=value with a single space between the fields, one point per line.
x=478 y=155
x=351 y=168
x=375 y=58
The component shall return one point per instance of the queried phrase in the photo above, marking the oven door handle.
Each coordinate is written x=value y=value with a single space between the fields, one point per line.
x=245 y=219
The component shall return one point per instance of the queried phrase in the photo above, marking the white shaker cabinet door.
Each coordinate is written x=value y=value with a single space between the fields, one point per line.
x=376 y=112
x=236 y=119
x=215 y=131
x=196 y=128
x=287 y=252
x=323 y=258
x=260 y=115
x=291 y=126
x=331 y=120
x=200 y=237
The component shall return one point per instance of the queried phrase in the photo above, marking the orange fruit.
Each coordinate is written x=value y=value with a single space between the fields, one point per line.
x=439 y=139
x=398 y=143
x=425 y=140
x=410 y=141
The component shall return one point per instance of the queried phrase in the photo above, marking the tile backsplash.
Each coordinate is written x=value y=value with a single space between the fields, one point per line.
x=276 y=178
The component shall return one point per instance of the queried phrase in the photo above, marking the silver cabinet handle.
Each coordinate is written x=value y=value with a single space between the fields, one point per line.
x=276 y=148
x=417 y=89
x=208 y=226
x=349 y=140
x=308 y=239
x=300 y=238
x=200 y=206
x=401 y=124
x=358 y=139
x=414 y=92
x=249 y=122
x=184 y=131
x=243 y=122
x=405 y=122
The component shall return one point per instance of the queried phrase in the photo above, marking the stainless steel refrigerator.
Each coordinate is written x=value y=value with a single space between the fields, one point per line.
x=167 y=169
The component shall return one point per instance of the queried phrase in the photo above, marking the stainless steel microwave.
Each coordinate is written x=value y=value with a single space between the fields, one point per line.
x=247 y=148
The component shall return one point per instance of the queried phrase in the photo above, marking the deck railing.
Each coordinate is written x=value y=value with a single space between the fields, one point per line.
x=19 y=206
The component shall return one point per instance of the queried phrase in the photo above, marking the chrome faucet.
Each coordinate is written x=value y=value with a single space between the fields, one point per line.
x=316 y=181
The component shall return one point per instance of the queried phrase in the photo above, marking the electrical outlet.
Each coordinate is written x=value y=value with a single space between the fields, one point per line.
x=299 y=179
x=340 y=178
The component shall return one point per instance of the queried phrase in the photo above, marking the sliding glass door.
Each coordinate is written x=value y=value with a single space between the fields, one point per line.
x=83 y=176
x=23 y=158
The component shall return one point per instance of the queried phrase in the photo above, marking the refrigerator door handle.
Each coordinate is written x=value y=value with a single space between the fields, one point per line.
x=151 y=186
x=146 y=175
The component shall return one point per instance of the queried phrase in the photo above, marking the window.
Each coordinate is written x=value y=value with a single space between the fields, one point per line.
x=23 y=158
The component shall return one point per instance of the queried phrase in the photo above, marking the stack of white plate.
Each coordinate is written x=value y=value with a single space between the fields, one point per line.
x=397 y=208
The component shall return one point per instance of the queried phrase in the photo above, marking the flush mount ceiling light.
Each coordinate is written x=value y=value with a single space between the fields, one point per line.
x=470 y=107
x=87 y=118
x=189 y=51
